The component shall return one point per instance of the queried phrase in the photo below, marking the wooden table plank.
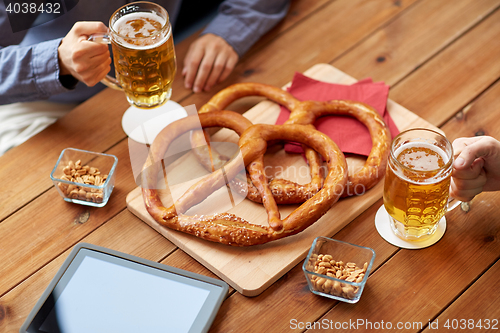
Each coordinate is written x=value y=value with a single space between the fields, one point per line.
x=449 y=81
x=298 y=11
x=412 y=38
x=480 y=117
x=477 y=309
x=319 y=38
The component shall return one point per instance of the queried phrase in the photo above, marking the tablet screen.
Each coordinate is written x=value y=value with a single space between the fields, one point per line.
x=103 y=293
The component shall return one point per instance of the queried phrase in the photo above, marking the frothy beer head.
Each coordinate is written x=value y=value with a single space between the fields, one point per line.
x=423 y=159
x=141 y=30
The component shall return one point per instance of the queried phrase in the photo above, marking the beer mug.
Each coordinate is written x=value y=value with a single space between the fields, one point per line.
x=140 y=34
x=417 y=183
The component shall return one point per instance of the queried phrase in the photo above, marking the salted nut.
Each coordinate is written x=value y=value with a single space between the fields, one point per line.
x=75 y=172
x=324 y=264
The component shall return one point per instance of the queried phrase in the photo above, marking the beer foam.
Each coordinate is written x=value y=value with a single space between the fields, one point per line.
x=429 y=146
x=138 y=25
x=423 y=145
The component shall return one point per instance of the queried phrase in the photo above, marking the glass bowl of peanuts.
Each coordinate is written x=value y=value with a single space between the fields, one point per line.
x=337 y=269
x=84 y=177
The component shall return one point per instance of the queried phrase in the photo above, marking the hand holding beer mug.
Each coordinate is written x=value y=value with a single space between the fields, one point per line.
x=417 y=183
x=140 y=34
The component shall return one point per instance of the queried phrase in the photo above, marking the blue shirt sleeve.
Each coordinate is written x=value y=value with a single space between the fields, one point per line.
x=29 y=73
x=242 y=22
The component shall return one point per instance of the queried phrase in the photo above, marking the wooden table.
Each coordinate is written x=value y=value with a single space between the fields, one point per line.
x=442 y=60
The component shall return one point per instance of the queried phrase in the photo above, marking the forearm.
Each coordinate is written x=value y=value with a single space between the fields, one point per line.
x=29 y=73
x=242 y=23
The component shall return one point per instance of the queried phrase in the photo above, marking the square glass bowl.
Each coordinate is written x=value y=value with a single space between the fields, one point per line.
x=337 y=269
x=84 y=177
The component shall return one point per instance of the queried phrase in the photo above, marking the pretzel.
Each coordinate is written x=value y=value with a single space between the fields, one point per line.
x=227 y=228
x=305 y=113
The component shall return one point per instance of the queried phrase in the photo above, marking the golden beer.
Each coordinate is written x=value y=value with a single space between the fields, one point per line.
x=417 y=183
x=144 y=57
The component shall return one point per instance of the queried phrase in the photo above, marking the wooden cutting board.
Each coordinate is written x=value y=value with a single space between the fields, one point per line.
x=250 y=270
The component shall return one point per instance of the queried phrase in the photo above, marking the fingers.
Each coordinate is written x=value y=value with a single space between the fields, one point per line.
x=467 y=183
x=93 y=72
x=191 y=62
x=466 y=190
x=228 y=68
x=465 y=195
x=210 y=60
x=472 y=166
x=462 y=170
x=204 y=70
x=222 y=67
x=87 y=61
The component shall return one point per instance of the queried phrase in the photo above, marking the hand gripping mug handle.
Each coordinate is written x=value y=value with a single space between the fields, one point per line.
x=108 y=81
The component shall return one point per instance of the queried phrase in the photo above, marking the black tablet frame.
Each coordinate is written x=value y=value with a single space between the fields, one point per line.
x=218 y=289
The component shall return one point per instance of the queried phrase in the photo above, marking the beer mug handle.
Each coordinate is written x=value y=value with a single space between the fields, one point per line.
x=453 y=203
x=108 y=81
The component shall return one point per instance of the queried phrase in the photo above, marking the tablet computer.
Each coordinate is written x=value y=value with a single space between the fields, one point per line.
x=102 y=290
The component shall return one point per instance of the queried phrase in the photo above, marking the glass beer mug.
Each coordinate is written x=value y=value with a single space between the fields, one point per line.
x=140 y=34
x=417 y=183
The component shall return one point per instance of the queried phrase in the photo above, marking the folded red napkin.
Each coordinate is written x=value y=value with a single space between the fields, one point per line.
x=348 y=133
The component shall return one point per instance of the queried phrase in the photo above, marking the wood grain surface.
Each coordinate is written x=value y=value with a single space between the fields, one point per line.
x=440 y=58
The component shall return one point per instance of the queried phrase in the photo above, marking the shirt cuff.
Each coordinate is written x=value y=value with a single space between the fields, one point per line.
x=45 y=67
x=240 y=36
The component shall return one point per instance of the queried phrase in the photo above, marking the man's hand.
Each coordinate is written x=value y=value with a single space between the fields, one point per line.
x=87 y=61
x=476 y=167
x=210 y=60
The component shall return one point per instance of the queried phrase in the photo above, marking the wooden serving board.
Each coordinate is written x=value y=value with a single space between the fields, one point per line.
x=250 y=270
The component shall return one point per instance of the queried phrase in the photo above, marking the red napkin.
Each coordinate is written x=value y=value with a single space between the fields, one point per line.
x=348 y=133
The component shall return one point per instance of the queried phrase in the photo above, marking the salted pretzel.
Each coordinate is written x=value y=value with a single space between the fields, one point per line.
x=304 y=113
x=227 y=228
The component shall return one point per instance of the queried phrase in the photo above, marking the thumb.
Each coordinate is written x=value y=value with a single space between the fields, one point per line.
x=470 y=153
x=89 y=28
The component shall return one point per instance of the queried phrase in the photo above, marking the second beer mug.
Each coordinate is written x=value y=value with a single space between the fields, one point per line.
x=417 y=183
x=143 y=53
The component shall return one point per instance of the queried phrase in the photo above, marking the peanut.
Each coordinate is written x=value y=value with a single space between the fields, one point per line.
x=325 y=264
x=321 y=270
x=337 y=288
x=67 y=170
x=320 y=282
x=85 y=175
x=327 y=286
